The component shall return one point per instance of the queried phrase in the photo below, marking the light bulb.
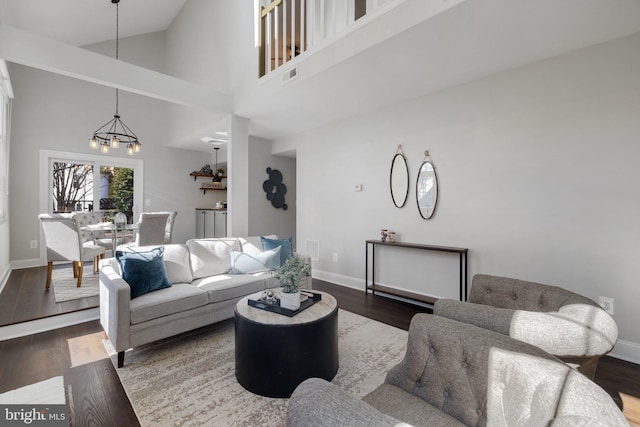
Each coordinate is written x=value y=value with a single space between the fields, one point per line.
x=93 y=142
x=137 y=147
x=130 y=150
x=105 y=148
x=115 y=142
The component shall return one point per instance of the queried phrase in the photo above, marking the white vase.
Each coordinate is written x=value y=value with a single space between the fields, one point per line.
x=290 y=301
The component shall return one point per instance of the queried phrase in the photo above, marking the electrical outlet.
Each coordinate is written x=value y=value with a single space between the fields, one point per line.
x=335 y=257
x=33 y=244
x=607 y=304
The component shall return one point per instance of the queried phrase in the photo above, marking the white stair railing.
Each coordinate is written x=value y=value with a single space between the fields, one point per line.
x=288 y=28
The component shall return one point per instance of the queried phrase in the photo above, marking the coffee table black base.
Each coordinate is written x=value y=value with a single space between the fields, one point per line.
x=272 y=360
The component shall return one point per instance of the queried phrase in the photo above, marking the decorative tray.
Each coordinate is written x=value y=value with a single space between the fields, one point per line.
x=274 y=307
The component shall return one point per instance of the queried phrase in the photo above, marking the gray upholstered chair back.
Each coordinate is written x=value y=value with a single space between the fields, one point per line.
x=87 y=218
x=61 y=235
x=152 y=227
x=504 y=292
x=447 y=365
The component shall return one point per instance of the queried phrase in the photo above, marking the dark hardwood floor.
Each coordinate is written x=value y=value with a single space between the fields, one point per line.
x=94 y=390
x=24 y=297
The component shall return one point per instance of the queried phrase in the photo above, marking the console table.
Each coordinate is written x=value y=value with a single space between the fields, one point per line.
x=373 y=287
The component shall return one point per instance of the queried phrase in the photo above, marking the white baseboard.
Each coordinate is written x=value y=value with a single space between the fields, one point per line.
x=624 y=350
x=48 y=323
x=4 y=276
x=339 y=279
x=26 y=263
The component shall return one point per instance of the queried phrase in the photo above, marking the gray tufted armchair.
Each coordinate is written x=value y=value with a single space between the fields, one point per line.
x=565 y=324
x=456 y=374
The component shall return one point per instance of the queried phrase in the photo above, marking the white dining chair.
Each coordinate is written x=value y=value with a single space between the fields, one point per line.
x=155 y=228
x=64 y=243
x=98 y=237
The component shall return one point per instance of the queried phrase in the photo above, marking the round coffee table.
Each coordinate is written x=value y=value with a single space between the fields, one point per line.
x=275 y=353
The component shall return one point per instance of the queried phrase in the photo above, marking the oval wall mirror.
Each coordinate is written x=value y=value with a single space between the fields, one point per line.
x=399 y=180
x=427 y=188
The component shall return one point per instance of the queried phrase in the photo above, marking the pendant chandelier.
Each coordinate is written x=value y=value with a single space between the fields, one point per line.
x=216 y=175
x=115 y=132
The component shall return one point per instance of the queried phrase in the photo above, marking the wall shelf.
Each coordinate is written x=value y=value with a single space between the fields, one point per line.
x=205 y=189
x=195 y=175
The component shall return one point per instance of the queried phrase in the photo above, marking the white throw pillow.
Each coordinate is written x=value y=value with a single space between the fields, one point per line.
x=252 y=245
x=211 y=256
x=243 y=263
x=177 y=263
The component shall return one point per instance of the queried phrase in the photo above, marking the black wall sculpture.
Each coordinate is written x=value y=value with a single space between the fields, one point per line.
x=275 y=189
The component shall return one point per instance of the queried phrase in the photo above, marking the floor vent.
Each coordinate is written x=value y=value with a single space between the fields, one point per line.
x=289 y=75
x=313 y=249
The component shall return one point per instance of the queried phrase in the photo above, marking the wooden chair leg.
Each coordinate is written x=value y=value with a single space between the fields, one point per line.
x=49 y=271
x=74 y=265
x=120 y=359
x=80 y=268
x=96 y=259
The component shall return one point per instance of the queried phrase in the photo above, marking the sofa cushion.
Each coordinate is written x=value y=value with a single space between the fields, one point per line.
x=211 y=256
x=285 y=244
x=143 y=271
x=252 y=245
x=164 y=302
x=177 y=262
x=226 y=286
x=242 y=263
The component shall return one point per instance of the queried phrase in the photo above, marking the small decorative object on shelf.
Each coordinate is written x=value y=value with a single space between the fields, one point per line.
x=383 y=234
x=391 y=236
x=289 y=274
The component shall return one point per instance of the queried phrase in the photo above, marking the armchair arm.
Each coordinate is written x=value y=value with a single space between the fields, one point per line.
x=318 y=403
x=573 y=330
x=115 y=312
x=491 y=318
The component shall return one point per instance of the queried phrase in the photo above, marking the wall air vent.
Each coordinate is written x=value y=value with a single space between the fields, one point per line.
x=313 y=249
x=289 y=75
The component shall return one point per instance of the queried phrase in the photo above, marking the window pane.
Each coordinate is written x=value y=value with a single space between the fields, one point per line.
x=116 y=191
x=72 y=187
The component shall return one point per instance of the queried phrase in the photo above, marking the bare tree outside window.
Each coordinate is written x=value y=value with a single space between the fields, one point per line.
x=72 y=187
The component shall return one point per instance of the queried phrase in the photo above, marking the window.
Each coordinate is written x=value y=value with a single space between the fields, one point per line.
x=78 y=182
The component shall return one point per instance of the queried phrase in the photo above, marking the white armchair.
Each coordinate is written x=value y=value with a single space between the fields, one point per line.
x=64 y=243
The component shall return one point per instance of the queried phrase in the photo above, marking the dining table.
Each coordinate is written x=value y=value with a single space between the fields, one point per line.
x=114 y=229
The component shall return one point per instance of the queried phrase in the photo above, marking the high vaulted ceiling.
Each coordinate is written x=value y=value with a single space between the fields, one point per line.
x=471 y=40
x=82 y=22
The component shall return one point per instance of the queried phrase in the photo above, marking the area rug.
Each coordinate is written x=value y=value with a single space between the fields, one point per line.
x=189 y=380
x=64 y=284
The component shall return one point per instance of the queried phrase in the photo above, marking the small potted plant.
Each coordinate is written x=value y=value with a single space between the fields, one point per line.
x=289 y=275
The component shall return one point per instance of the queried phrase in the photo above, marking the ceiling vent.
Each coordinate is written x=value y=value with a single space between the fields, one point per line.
x=289 y=75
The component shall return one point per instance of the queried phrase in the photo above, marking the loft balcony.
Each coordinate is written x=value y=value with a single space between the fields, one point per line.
x=290 y=28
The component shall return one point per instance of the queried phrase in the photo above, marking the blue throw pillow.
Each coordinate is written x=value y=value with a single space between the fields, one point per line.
x=143 y=271
x=242 y=263
x=285 y=244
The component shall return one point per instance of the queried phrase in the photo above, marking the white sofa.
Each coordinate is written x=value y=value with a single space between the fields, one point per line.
x=203 y=291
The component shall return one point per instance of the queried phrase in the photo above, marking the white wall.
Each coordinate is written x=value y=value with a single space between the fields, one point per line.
x=263 y=217
x=198 y=44
x=59 y=113
x=537 y=171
